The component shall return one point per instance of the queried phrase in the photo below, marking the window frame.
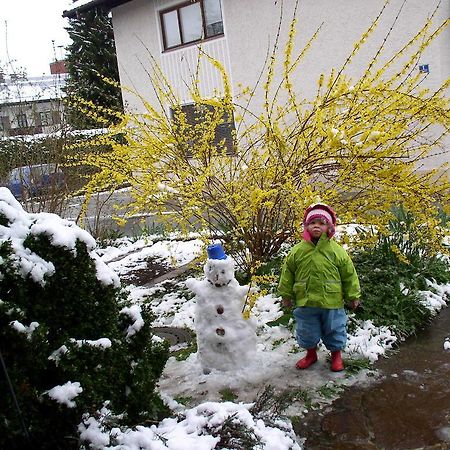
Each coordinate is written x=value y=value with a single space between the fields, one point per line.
x=22 y=120
x=49 y=119
x=177 y=8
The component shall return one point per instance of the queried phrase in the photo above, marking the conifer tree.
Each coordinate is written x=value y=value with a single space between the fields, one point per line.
x=91 y=57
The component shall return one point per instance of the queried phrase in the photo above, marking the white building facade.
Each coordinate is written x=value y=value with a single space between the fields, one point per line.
x=31 y=105
x=241 y=35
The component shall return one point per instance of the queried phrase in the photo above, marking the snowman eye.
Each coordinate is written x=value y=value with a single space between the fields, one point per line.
x=223 y=271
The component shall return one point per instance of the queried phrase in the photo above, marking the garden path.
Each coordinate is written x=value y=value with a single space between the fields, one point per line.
x=408 y=408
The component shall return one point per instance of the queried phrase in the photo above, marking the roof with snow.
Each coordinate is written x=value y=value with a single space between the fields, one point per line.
x=80 y=6
x=15 y=89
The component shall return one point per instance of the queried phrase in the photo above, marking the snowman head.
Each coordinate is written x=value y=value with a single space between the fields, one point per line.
x=219 y=272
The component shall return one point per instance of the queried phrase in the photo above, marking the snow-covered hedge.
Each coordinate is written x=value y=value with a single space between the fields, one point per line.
x=208 y=426
x=69 y=340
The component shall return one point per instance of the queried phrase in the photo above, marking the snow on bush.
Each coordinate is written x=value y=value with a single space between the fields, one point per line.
x=437 y=299
x=18 y=225
x=66 y=393
x=60 y=317
x=21 y=328
x=198 y=428
x=134 y=312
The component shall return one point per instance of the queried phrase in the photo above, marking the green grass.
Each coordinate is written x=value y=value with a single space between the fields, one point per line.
x=184 y=353
x=355 y=365
x=227 y=395
x=329 y=390
x=183 y=400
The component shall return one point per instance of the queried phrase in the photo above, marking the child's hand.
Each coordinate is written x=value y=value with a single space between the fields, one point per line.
x=287 y=303
x=354 y=304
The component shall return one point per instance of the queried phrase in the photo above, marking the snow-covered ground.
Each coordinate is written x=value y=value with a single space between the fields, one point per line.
x=185 y=381
x=274 y=362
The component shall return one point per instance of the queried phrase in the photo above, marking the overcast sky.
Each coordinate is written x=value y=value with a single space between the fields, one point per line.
x=27 y=29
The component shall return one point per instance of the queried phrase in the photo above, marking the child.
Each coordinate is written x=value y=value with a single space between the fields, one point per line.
x=317 y=279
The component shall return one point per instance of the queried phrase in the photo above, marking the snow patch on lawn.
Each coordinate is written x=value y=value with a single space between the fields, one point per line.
x=370 y=341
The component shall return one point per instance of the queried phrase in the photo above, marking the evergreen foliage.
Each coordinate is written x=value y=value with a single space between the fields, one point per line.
x=91 y=59
x=394 y=271
x=69 y=327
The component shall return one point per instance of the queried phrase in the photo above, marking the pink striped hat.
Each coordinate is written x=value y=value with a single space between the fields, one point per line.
x=319 y=211
x=318 y=214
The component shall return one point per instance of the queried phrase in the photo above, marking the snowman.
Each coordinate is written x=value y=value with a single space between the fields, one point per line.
x=225 y=340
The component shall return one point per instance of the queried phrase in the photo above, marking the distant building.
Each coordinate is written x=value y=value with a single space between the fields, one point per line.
x=31 y=105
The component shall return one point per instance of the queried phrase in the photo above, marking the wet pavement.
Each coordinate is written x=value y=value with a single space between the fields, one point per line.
x=173 y=335
x=408 y=407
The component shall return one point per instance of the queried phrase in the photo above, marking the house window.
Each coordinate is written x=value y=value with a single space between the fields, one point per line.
x=46 y=118
x=190 y=22
x=22 y=120
x=195 y=114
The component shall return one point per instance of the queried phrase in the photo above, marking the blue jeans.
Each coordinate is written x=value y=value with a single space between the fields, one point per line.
x=314 y=324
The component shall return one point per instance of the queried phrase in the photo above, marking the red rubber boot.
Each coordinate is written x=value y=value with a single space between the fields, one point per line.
x=336 y=361
x=308 y=360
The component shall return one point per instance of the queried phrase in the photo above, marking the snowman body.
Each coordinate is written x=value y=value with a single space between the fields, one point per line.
x=225 y=340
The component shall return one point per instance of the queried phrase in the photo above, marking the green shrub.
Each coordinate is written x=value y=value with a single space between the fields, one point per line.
x=69 y=322
x=391 y=274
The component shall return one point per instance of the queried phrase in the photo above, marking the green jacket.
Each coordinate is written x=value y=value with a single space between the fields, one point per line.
x=321 y=275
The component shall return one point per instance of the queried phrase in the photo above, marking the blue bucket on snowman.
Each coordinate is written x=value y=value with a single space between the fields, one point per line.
x=216 y=251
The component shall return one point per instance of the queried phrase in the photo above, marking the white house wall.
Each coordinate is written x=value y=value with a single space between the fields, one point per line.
x=136 y=48
x=136 y=38
x=251 y=33
x=180 y=66
x=250 y=27
x=251 y=30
